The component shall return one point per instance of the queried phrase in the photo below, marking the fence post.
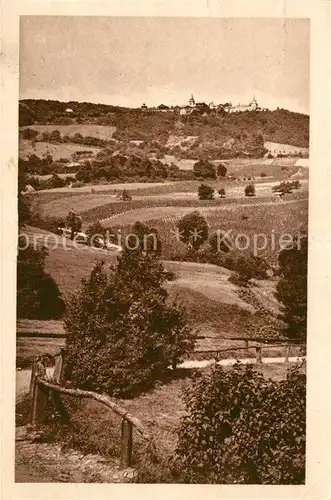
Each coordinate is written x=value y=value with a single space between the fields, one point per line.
x=288 y=347
x=33 y=378
x=39 y=403
x=59 y=367
x=258 y=355
x=126 y=444
x=246 y=344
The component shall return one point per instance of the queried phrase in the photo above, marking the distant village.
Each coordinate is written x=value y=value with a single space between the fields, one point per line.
x=202 y=107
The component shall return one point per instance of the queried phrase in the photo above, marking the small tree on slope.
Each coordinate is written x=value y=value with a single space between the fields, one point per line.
x=122 y=333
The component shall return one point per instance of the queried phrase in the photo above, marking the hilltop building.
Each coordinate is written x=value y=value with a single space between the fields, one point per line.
x=202 y=107
x=191 y=101
x=240 y=108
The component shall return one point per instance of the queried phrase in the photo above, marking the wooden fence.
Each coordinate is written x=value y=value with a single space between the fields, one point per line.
x=45 y=389
x=258 y=350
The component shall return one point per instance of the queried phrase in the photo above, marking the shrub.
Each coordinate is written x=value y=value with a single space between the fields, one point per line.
x=29 y=134
x=241 y=428
x=205 y=192
x=193 y=229
x=126 y=196
x=221 y=192
x=221 y=170
x=263 y=174
x=94 y=232
x=250 y=190
x=246 y=265
x=121 y=333
x=203 y=169
x=38 y=296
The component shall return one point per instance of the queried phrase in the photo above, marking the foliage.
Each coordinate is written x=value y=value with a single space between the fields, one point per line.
x=241 y=428
x=247 y=131
x=219 y=242
x=126 y=195
x=122 y=333
x=286 y=186
x=250 y=190
x=292 y=287
x=74 y=222
x=95 y=232
x=203 y=169
x=221 y=170
x=205 y=192
x=193 y=229
x=221 y=192
x=38 y=296
x=246 y=265
x=149 y=239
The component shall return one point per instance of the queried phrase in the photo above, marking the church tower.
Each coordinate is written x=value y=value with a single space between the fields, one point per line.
x=192 y=101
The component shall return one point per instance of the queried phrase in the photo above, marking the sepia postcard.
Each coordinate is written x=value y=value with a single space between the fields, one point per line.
x=165 y=249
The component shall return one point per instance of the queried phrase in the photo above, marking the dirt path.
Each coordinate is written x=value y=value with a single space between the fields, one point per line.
x=37 y=462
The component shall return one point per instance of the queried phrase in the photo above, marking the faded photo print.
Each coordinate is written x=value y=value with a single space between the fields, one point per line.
x=163 y=179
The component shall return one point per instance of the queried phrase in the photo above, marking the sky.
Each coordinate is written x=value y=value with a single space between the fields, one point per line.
x=129 y=61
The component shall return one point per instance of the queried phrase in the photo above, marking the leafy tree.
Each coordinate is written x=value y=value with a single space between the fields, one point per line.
x=241 y=428
x=193 y=229
x=221 y=170
x=38 y=296
x=250 y=190
x=203 y=169
x=205 y=192
x=122 y=332
x=74 y=222
x=291 y=289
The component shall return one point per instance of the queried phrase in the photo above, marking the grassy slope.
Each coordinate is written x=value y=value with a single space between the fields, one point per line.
x=57 y=151
x=91 y=130
x=211 y=301
x=278 y=126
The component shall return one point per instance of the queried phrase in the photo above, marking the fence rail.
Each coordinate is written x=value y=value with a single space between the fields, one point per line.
x=42 y=392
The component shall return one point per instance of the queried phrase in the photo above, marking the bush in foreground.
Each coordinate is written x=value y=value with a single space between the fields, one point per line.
x=122 y=333
x=241 y=428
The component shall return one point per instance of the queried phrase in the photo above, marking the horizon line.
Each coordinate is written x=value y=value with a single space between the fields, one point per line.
x=150 y=107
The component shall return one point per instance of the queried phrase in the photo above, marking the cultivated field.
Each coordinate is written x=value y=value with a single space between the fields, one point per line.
x=57 y=151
